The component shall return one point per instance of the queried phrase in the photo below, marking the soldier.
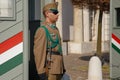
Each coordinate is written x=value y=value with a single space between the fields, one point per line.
x=47 y=46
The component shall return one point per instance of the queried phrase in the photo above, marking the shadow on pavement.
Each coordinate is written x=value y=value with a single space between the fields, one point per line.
x=85 y=58
x=104 y=58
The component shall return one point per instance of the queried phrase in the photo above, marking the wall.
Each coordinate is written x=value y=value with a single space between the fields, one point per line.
x=67 y=18
x=34 y=10
x=12 y=37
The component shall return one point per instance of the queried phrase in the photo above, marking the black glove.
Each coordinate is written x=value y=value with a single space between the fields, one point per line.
x=43 y=76
x=64 y=70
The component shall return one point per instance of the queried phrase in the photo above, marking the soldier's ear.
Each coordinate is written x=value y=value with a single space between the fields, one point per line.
x=47 y=13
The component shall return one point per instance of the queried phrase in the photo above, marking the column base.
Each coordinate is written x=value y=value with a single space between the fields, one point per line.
x=85 y=47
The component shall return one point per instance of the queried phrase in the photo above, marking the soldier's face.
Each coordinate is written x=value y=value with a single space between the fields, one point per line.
x=52 y=16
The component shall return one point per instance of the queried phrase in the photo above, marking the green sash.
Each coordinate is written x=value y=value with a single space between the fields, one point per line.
x=54 y=43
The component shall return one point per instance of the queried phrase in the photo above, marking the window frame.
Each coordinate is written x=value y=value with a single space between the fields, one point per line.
x=13 y=17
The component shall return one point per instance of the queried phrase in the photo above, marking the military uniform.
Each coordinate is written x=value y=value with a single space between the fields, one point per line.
x=47 y=40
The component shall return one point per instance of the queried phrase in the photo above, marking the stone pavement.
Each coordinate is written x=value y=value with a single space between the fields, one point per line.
x=77 y=67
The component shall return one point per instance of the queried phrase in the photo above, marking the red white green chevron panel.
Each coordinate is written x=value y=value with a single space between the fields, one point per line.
x=11 y=53
x=116 y=43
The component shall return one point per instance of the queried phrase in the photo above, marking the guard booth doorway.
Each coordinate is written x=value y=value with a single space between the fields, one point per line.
x=34 y=23
x=35 y=18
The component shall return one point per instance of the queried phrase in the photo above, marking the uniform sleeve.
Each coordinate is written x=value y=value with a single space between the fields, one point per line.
x=40 y=50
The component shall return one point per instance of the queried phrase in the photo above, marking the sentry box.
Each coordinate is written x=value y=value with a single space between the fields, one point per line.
x=13 y=39
x=115 y=39
x=16 y=37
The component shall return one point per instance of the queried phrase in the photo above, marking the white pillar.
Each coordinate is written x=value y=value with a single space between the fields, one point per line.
x=103 y=27
x=78 y=25
x=48 y=1
x=107 y=26
x=42 y=2
x=59 y=22
x=75 y=45
x=93 y=22
x=86 y=25
x=105 y=32
x=95 y=25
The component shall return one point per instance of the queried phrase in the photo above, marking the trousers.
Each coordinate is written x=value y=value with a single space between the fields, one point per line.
x=50 y=76
x=43 y=76
x=54 y=76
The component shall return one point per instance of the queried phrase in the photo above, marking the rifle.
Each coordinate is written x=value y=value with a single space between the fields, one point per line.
x=49 y=60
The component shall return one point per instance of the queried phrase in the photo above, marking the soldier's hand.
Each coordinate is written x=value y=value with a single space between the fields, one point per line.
x=64 y=70
x=43 y=76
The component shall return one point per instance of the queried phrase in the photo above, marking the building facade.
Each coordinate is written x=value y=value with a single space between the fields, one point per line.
x=79 y=28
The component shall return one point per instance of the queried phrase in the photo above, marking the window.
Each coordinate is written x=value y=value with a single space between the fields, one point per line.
x=7 y=9
x=117 y=17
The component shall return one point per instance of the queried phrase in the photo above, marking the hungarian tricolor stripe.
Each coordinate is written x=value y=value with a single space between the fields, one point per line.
x=116 y=43
x=11 y=53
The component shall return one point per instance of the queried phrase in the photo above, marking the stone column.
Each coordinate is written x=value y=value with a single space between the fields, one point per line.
x=59 y=25
x=59 y=22
x=48 y=1
x=105 y=24
x=107 y=27
x=95 y=25
x=103 y=27
x=42 y=3
x=75 y=45
x=78 y=25
x=86 y=24
x=105 y=32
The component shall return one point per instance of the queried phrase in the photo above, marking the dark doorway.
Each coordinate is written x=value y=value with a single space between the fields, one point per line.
x=32 y=68
x=34 y=23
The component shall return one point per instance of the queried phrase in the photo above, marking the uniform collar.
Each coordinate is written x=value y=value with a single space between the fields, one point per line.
x=53 y=26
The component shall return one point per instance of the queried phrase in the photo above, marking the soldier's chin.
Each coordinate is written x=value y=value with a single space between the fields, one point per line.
x=55 y=21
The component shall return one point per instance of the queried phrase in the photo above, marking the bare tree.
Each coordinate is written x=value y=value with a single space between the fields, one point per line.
x=102 y=5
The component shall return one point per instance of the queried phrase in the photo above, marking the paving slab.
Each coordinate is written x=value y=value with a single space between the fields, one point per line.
x=77 y=66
